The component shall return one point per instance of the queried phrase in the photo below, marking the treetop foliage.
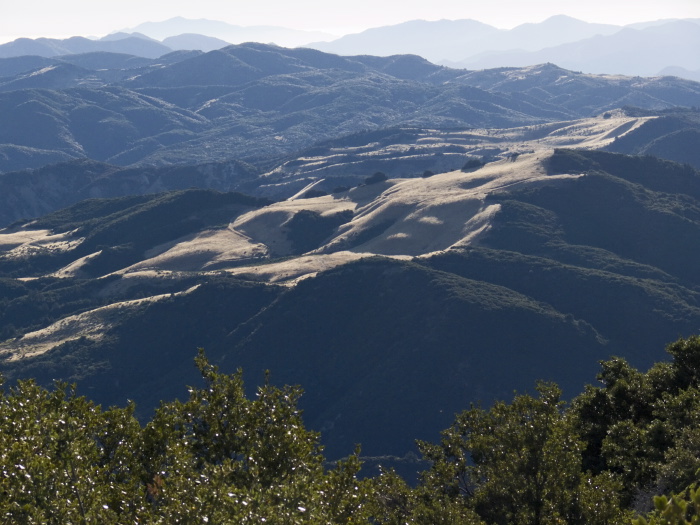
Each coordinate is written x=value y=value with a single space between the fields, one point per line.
x=220 y=457
x=216 y=458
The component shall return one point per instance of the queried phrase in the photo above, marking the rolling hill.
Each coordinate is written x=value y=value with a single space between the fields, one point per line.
x=326 y=167
x=394 y=303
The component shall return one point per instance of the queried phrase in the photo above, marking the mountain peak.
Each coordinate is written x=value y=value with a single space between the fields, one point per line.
x=562 y=18
x=122 y=35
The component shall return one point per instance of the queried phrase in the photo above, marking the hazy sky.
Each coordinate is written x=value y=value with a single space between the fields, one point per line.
x=61 y=18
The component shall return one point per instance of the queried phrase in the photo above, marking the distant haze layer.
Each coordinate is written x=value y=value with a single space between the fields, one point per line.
x=80 y=17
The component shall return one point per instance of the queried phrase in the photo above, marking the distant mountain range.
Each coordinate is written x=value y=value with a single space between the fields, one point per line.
x=643 y=52
x=640 y=49
x=233 y=34
x=443 y=40
x=50 y=47
x=257 y=103
x=154 y=39
x=663 y=47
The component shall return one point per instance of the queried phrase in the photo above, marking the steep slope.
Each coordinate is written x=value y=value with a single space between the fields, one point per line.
x=386 y=350
x=672 y=136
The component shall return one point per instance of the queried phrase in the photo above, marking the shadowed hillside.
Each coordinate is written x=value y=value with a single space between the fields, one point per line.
x=493 y=277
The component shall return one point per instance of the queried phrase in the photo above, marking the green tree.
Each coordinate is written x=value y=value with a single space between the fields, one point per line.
x=222 y=456
x=395 y=503
x=64 y=460
x=643 y=426
x=520 y=463
x=681 y=509
x=218 y=457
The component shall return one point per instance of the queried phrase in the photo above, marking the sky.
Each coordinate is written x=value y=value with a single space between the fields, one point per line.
x=63 y=18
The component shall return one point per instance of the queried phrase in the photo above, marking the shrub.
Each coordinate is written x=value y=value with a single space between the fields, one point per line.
x=376 y=178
